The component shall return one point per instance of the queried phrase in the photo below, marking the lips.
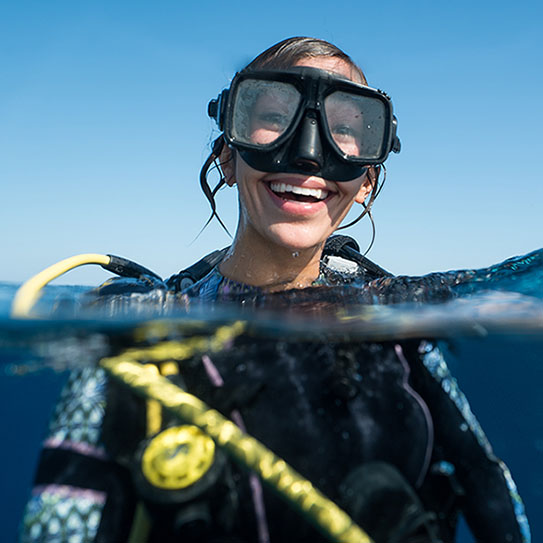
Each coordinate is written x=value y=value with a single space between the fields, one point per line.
x=296 y=200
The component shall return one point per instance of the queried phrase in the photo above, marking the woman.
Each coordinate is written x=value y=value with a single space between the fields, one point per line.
x=380 y=428
x=287 y=214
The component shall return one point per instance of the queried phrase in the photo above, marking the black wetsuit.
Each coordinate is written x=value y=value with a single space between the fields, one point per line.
x=327 y=408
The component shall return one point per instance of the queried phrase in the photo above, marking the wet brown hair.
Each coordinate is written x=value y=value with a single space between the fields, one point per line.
x=286 y=54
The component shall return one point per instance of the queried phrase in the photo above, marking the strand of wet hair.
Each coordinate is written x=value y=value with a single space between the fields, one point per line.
x=209 y=193
x=376 y=190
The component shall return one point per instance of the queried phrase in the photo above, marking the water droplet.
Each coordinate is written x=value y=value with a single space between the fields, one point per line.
x=464 y=427
x=295 y=254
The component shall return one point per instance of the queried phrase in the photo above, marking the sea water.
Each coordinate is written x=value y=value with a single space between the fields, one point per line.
x=492 y=333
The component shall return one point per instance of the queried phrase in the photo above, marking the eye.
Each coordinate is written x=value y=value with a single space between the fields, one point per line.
x=272 y=120
x=343 y=131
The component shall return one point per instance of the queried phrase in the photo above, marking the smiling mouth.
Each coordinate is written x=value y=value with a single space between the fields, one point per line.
x=298 y=194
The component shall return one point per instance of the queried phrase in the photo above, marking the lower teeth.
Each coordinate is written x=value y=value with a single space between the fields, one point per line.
x=296 y=197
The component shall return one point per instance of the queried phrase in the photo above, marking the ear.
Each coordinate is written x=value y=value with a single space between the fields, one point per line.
x=370 y=180
x=227 y=162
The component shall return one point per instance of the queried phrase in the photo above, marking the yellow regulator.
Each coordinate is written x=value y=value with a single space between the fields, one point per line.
x=177 y=457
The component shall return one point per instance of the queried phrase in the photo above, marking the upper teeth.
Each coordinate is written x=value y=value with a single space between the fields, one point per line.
x=319 y=194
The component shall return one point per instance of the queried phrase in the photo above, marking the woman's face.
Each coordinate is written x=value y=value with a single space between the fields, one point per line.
x=294 y=211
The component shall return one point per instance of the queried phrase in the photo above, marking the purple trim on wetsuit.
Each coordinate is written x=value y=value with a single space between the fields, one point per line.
x=256 y=486
x=78 y=447
x=67 y=491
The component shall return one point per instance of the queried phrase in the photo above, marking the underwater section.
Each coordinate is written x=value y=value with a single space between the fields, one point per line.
x=489 y=325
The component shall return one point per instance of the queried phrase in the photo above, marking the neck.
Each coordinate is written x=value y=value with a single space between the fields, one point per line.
x=258 y=262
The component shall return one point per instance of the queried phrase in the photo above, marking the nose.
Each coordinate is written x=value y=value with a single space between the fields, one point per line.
x=306 y=155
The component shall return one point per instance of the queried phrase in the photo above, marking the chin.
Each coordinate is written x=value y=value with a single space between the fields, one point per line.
x=297 y=239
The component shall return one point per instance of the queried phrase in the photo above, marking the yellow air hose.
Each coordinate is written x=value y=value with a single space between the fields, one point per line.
x=324 y=514
x=332 y=521
x=30 y=291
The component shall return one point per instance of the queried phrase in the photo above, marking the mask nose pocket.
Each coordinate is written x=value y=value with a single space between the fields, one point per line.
x=307 y=154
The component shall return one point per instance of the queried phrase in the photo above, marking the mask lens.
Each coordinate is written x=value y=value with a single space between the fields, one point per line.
x=263 y=110
x=356 y=124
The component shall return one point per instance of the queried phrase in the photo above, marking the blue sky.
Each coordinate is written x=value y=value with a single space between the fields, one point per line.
x=103 y=126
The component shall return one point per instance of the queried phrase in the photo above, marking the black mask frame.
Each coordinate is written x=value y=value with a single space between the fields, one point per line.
x=306 y=146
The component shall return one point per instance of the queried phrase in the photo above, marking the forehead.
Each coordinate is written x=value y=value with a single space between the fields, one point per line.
x=330 y=64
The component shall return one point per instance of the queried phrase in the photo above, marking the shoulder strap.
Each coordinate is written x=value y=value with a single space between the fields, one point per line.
x=187 y=277
x=346 y=247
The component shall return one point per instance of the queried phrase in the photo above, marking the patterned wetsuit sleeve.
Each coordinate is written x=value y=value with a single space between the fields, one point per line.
x=80 y=494
x=492 y=506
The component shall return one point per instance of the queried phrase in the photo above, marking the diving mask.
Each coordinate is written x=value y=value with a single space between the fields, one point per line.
x=306 y=120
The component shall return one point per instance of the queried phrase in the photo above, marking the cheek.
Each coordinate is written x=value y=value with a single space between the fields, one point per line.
x=263 y=136
x=352 y=189
x=247 y=185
